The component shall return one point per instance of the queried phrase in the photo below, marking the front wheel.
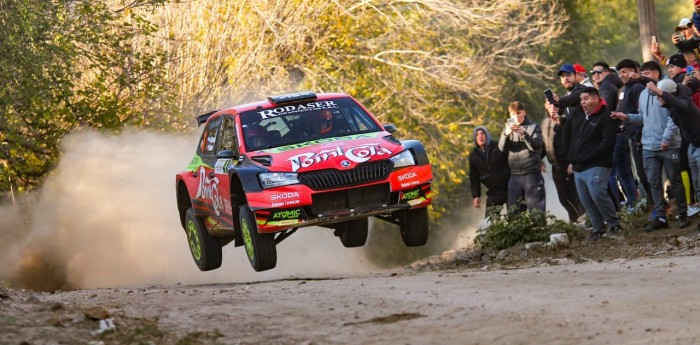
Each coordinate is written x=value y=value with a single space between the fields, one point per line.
x=353 y=233
x=415 y=227
x=205 y=248
x=260 y=248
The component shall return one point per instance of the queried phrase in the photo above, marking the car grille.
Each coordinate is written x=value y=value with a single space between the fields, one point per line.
x=332 y=178
x=355 y=198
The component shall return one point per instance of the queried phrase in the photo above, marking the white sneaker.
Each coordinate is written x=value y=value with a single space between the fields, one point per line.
x=693 y=210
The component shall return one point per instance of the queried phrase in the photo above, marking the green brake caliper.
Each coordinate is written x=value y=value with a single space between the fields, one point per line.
x=192 y=237
x=246 y=238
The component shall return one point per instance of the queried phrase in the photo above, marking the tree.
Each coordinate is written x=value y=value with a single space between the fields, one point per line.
x=67 y=64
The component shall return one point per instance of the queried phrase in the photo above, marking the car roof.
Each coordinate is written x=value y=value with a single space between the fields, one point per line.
x=268 y=104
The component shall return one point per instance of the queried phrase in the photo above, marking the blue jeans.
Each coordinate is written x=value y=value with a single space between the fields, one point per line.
x=694 y=162
x=622 y=164
x=528 y=188
x=669 y=160
x=592 y=185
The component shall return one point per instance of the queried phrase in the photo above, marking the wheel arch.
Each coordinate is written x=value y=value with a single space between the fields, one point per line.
x=183 y=201
x=241 y=181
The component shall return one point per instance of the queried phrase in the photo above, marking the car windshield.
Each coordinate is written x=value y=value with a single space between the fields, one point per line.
x=296 y=123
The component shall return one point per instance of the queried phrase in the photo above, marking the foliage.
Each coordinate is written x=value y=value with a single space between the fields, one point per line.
x=435 y=68
x=66 y=64
x=531 y=226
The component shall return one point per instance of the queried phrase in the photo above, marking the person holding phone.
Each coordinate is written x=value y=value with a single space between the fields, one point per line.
x=521 y=140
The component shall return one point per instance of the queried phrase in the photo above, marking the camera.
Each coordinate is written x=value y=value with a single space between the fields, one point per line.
x=549 y=95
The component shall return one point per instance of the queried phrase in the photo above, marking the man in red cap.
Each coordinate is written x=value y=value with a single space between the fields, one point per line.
x=581 y=75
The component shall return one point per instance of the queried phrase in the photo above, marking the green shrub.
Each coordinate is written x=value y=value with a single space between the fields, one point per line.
x=505 y=231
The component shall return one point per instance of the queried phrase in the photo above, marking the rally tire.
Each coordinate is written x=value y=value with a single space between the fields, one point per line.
x=205 y=249
x=415 y=227
x=260 y=248
x=353 y=233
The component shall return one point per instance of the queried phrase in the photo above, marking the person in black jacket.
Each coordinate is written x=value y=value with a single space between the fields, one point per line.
x=488 y=165
x=590 y=153
x=522 y=141
x=683 y=113
x=552 y=137
x=607 y=82
x=630 y=141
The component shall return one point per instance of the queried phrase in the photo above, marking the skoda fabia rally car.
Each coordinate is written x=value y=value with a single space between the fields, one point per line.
x=263 y=170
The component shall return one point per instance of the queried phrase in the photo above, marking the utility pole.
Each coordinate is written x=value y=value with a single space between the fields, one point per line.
x=647 y=26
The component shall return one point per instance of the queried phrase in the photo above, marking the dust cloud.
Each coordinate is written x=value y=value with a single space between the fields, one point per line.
x=107 y=217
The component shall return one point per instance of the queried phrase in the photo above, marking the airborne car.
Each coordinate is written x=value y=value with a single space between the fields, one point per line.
x=264 y=170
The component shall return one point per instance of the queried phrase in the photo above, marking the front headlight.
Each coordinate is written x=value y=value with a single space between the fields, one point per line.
x=403 y=159
x=269 y=180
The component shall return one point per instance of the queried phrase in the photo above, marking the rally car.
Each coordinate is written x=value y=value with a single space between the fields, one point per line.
x=263 y=170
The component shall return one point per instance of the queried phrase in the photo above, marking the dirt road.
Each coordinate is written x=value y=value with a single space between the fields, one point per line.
x=644 y=301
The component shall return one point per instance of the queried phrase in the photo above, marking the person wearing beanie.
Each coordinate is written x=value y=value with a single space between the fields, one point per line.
x=685 y=115
x=488 y=166
x=590 y=154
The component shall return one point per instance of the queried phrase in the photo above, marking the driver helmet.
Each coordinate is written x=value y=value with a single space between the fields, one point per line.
x=257 y=136
x=323 y=121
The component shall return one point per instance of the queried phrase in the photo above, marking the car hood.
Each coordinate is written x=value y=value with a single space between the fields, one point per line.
x=342 y=153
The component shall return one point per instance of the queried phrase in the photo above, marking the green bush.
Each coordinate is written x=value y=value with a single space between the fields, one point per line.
x=505 y=231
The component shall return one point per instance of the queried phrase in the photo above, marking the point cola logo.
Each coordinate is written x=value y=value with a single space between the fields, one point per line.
x=208 y=189
x=356 y=154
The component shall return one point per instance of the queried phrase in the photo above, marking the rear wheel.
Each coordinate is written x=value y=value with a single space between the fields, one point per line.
x=353 y=233
x=260 y=248
x=205 y=248
x=415 y=227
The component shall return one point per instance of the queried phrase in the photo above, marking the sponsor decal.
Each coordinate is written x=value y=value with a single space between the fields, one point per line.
x=195 y=163
x=321 y=141
x=209 y=190
x=408 y=184
x=221 y=166
x=286 y=203
x=407 y=176
x=299 y=108
x=410 y=195
x=285 y=222
x=287 y=214
x=356 y=154
x=284 y=195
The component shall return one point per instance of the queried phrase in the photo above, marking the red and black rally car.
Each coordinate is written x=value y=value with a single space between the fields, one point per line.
x=263 y=170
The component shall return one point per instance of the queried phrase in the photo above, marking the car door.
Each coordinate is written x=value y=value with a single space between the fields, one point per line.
x=226 y=144
x=208 y=201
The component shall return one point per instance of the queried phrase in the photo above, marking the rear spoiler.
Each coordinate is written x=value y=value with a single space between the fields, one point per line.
x=292 y=97
x=204 y=117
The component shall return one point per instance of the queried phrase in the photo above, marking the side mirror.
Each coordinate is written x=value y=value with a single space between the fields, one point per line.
x=226 y=154
x=390 y=128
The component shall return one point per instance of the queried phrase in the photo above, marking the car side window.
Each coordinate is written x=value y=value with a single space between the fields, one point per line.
x=228 y=135
x=207 y=144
